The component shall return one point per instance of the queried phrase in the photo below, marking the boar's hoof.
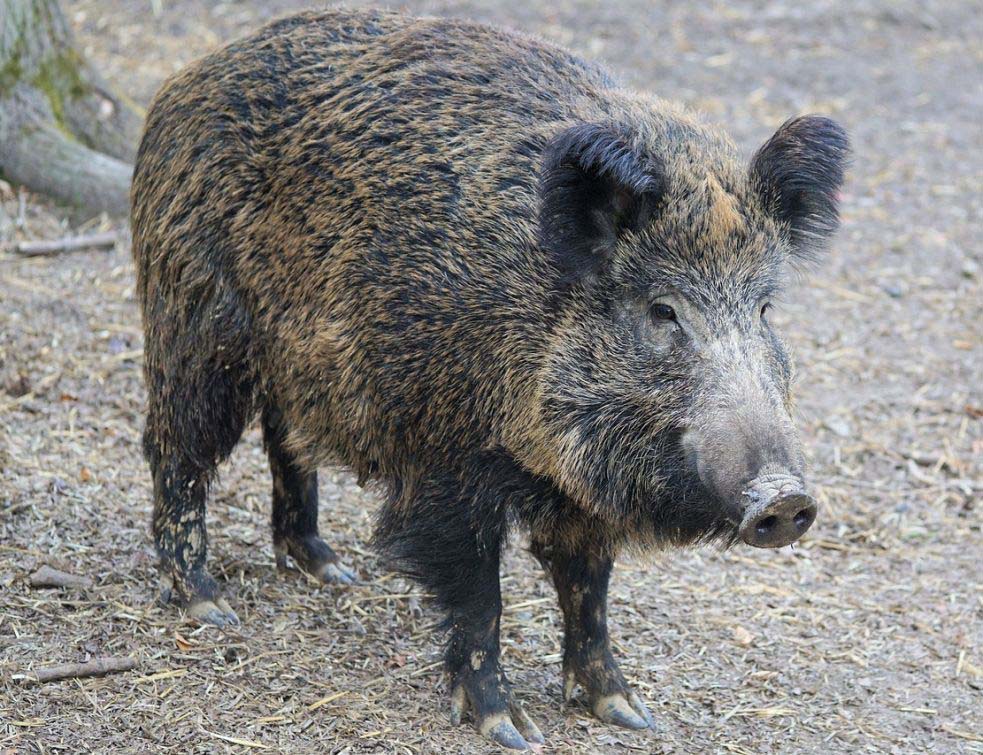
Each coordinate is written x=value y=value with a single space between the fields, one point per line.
x=623 y=709
x=513 y=729
x=216 y=611
x=501 y=728
x=198 y=594
x=337 y=573
x=314 y=557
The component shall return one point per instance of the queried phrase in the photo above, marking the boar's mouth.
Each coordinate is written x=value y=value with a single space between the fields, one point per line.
x=771 y=510
x=752 y=468
x=689 y=510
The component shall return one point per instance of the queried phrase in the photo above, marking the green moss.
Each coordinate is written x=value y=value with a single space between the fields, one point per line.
x=10 y=73
x=59 y=79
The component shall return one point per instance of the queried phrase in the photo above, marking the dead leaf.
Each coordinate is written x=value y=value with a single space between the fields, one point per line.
x=742 y=636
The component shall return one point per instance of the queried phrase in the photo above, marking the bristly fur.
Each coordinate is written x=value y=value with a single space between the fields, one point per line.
x=429 y=250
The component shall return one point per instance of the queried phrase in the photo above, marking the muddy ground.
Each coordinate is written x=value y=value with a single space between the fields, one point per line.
x=867 y=637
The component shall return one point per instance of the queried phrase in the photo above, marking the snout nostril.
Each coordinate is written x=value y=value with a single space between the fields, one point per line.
x=777 y=520
x=766 y=525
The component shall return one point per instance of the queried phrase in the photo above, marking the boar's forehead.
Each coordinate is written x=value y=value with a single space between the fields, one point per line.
x=710 y=240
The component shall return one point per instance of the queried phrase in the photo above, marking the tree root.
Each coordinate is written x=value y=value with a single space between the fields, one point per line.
x=63 y=131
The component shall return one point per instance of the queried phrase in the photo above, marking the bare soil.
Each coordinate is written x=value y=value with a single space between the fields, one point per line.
x=866 y=637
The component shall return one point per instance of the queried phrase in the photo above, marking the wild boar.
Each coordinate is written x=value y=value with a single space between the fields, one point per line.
x=475 y=269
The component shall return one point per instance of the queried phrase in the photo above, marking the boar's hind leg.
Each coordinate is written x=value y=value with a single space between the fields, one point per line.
x=295 y=531
x=195 y=418
x=581 y=582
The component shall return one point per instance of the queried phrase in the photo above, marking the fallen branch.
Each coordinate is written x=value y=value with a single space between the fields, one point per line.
x=48 y=577
x=72 y=244
x=95 y=667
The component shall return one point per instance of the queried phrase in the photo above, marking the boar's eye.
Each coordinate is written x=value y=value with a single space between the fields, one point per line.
x=765 y=307
x=662 y=313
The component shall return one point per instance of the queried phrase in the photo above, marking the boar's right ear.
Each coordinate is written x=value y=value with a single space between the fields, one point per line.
x=594 y=186
x=799 y=172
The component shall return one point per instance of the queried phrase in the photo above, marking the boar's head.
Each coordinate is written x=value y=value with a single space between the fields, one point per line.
x=665 y=401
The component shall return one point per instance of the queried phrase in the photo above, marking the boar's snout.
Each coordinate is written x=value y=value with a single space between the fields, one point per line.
x=777 y=513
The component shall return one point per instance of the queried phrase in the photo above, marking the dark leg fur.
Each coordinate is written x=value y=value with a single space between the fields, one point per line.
x=473 y=663
x=449 y=538
x=200 y=398
x=581 y=582
x=294 y=520
x=183 y=450
x=182 y=545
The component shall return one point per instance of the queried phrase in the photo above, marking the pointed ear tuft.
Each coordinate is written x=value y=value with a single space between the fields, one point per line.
x=594 y=186
x=799 y=172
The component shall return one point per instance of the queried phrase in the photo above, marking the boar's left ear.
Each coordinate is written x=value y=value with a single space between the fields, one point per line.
x=594 y=187
x=799 y=172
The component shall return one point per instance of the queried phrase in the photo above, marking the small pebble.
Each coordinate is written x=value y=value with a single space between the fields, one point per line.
x=839 y=426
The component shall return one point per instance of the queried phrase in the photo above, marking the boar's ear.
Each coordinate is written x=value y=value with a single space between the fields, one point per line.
x=593 y=187
x=798 y=173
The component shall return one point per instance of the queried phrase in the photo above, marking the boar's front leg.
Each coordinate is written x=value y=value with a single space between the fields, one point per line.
x=581 y=581
x=449 y=538
x=477 y=679
x=182 y=543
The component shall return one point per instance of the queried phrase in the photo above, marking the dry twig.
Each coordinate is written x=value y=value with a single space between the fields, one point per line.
x=95 y=667
x=45 y=248
x=49 y=577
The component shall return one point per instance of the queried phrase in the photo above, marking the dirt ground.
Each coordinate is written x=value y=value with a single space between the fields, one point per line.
x=867 y=637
